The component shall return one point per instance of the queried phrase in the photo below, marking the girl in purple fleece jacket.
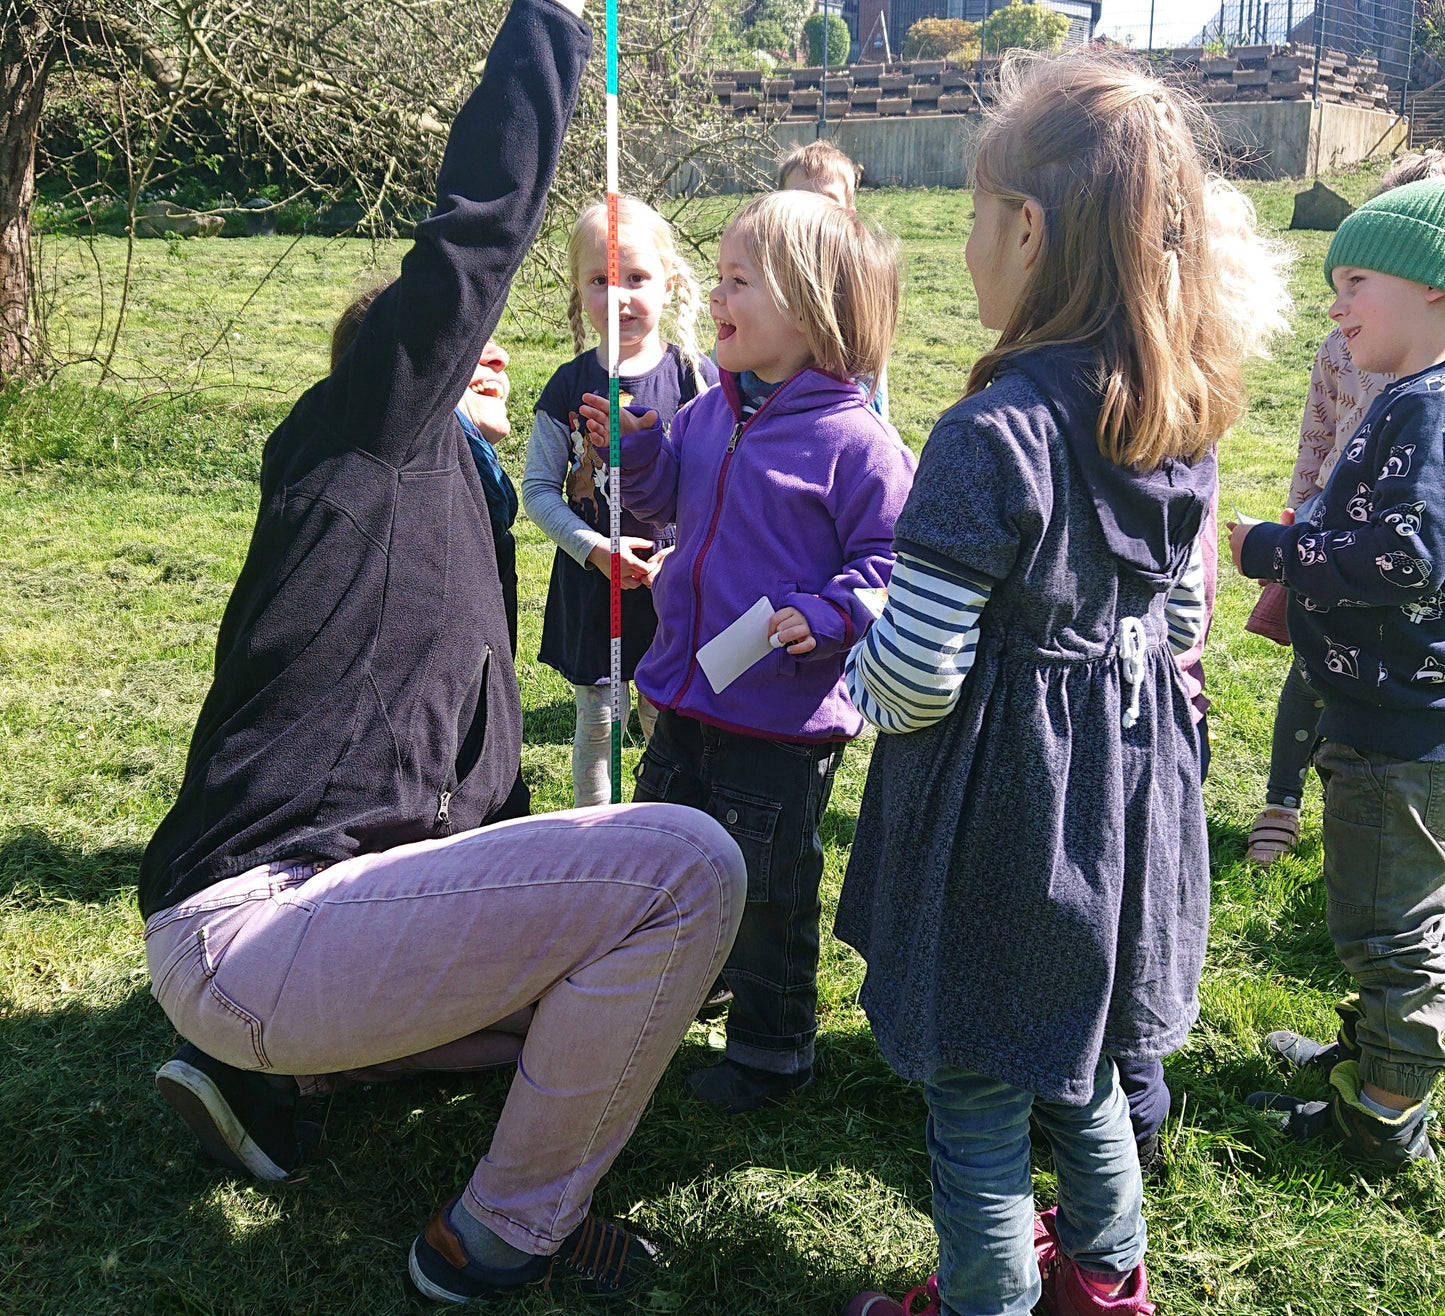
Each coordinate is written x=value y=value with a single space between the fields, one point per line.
x=785 y=484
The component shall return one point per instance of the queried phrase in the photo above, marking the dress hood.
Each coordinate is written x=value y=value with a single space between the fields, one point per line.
x=1149 y=518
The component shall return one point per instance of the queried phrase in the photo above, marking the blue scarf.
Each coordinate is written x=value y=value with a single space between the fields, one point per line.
x=496 y=484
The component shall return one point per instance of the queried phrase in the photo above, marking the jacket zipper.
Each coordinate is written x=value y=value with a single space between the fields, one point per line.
x=739 y=429
x=444 y=812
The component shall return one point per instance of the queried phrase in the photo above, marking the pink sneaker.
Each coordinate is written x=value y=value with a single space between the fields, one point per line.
x=880 y=1304
x=1068 y=1293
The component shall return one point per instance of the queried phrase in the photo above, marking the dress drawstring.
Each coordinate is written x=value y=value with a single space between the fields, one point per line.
x=1131 y=638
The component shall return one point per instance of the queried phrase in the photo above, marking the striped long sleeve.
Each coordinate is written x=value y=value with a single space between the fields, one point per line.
x=907 y=671
x=1185 y=609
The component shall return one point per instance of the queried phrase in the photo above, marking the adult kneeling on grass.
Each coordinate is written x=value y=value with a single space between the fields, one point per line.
x=320 y=897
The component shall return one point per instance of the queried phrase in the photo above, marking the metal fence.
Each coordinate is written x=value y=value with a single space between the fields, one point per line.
x=1382 y=30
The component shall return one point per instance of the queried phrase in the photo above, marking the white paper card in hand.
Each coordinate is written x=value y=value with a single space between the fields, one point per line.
x=731 y=652
x=874 y=598
x=1241 y=519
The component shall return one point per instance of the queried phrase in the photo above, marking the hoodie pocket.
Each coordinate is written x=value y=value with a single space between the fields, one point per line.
x=471 y=748
x=470 y=751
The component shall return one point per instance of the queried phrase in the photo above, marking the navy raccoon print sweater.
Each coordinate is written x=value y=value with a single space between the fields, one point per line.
x=1365 y=566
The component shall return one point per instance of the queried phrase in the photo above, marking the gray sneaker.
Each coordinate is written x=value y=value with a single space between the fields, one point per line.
x=1300 y=1052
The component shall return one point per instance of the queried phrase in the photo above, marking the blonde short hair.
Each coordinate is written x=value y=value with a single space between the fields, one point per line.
x=833 y=271
x=821 y=160
x=1252 y=270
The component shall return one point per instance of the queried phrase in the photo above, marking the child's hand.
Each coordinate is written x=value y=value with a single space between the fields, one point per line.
x=790 y=629
x=635 y=570
x=597 y=411
x=1286 y=516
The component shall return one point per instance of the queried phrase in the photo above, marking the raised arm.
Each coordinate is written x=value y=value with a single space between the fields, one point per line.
x=421 y=337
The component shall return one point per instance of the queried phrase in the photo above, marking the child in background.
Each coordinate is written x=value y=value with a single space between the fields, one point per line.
x=564 y=489
x=1340 y=394
x=1364 y=568
x=821 y=167
x=1029 y=881
x=789 y=488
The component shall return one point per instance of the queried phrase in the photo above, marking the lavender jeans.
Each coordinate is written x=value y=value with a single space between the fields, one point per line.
x=606 y=926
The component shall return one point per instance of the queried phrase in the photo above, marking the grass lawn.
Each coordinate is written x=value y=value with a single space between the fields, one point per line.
x=124 y=518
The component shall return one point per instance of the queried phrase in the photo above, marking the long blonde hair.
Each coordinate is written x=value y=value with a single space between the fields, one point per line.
x=1251 y=270
x=1126 y=264
x=633 y=213
x=833 y=271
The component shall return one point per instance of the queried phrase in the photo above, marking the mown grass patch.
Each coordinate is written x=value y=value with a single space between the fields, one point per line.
x=123 y=520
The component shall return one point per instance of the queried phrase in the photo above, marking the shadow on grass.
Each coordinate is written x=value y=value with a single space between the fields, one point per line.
x=35 y=870
x=111 y=1207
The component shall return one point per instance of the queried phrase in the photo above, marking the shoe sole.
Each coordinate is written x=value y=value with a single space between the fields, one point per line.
x=426 y=1287
x=192 y=1094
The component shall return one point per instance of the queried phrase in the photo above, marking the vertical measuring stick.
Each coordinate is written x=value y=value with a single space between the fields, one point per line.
x=614 y=400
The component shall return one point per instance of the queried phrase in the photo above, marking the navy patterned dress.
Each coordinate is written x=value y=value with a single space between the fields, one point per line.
x=1029 y=880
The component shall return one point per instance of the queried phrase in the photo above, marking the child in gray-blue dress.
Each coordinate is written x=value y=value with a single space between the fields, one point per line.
x=1029 y=881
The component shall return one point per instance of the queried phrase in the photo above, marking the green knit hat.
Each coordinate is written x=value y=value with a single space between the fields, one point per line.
x=1400 y=232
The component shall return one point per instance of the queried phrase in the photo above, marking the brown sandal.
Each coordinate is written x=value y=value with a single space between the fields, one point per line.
x=1275 y=834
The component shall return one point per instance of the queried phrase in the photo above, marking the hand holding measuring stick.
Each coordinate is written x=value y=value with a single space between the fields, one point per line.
x=597 y=412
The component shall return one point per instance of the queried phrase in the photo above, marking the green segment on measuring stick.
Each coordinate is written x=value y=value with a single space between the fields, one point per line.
x=611 y=47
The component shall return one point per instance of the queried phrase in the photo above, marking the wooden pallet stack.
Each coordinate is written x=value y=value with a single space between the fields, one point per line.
x=1265 y=73
x=937 y=86
x=857 y=91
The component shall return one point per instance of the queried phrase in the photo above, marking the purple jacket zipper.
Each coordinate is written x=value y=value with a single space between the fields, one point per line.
x=739 y=430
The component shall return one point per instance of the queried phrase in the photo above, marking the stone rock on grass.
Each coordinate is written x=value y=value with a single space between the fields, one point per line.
x=1320 y=208
x=160 y=218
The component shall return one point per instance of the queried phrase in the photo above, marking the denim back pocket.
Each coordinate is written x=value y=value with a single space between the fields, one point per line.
x=751 y=821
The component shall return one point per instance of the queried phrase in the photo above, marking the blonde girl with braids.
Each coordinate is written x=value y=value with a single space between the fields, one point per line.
x=1029 y=879
x=565 y=490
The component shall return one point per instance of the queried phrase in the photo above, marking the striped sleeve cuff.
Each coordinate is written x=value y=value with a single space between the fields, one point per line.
x=1184 y=608
x=909 y=668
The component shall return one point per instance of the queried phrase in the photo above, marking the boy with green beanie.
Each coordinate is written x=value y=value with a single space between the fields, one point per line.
x=1365 y=566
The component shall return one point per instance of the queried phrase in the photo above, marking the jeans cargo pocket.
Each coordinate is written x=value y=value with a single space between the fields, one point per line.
x=751 y=821
x=1354 y=789
x=655 y=778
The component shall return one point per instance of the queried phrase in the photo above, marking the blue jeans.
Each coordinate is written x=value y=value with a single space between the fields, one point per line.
x=770 y=795
x=983 y=1202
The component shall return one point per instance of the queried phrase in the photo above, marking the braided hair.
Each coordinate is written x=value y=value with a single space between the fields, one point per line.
x=1126 y=265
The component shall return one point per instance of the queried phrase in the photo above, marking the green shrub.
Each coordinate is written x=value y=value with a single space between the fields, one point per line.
x=839 y=39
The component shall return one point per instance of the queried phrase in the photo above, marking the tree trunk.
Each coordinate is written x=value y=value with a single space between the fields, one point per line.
x=28 y=49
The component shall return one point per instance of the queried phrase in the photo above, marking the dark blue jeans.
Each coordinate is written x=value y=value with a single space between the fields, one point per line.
x=770 y=795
